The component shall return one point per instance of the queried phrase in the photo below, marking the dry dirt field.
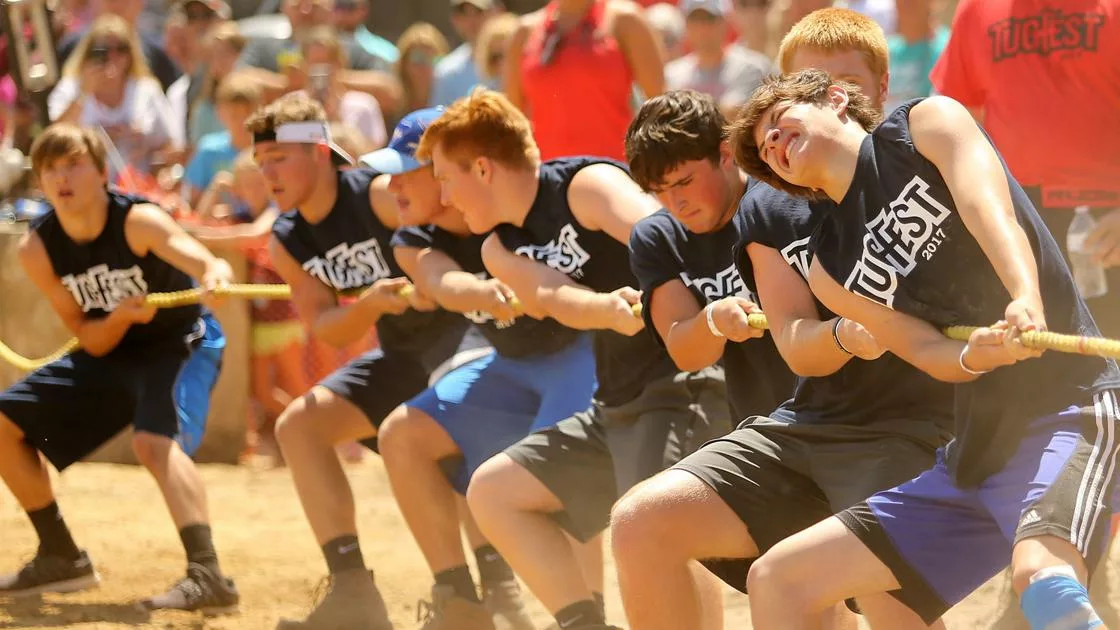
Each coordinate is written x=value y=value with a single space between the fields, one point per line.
x=117 y=514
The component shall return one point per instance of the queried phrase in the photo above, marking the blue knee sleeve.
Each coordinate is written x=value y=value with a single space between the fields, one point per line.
x=1055 y=600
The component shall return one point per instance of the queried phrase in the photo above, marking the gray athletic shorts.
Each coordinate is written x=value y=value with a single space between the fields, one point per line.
x=781 y=478
x=593 y=457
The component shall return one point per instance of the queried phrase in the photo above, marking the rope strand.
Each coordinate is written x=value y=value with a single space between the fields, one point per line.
x=1072 y=344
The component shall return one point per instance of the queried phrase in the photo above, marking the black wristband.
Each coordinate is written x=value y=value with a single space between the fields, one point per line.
x=836 y=336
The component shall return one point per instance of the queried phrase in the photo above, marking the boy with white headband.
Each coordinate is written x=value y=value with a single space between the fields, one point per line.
x=336 y=240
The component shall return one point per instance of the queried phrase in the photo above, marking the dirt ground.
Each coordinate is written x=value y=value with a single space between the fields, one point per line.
x=116 y=512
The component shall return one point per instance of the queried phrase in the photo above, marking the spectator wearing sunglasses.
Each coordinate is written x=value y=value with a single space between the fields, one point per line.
x=456 y=74
x=155 y=57
x=490 y=49
x=349 y=19
x=107 y=83
x=421 y=46
x=728 y=73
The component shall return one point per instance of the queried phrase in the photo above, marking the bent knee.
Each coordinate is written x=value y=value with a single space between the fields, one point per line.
x=1032 y=555
x=150 y=448
x=650 y=511
x=408 y=431
x=486 y=486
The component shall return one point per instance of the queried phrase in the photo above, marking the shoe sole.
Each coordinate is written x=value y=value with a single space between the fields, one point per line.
x=65 y=586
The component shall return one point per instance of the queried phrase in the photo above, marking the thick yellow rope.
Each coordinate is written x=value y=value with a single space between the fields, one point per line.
x=1073 y=344
x=159 y=300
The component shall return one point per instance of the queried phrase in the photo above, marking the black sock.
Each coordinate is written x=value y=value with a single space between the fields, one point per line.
x=344 y=554
x=200 y=546
x=492 y=567
x=54 y=536
x=580 y=614
x=601 y=604
x=459 y=579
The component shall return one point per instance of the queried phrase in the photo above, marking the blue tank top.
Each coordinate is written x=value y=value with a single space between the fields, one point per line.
x=661 y=250
x=103 y=272
x=349 y=250
x=861 y=392
x=525 y=337
x=896 y=238
x=552 y=236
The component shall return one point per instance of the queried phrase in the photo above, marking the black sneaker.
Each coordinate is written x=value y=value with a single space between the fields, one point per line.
x=50 y=574
x=200 y=590
x=351 y=602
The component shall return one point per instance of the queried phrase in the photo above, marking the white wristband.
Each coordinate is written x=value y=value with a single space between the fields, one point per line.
x=965 y=367
x=711 y=325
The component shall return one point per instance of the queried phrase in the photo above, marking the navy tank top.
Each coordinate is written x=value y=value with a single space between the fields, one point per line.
x=861 y=392
x=105 y=271
x=661 y=250
x=552 y=236
x=525 y=337
x=349 y=250
x=897 y=239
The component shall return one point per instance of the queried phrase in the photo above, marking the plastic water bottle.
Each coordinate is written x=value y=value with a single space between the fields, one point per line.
x=1087 y=272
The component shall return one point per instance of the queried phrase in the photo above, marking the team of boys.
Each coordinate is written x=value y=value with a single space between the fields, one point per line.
x=882 y=468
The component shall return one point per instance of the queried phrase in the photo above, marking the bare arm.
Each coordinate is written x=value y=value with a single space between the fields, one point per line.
x=642 y=49
x=682 y=323
x=317 y=305
x=945 y=133
x=511 y=66
x=804 y=341
x=603 y=197
x=148 y=229
x=245 y=235
x=382 y=85
x=913 y=340
x=97 y=337
x=545 y=292
x=439 y=277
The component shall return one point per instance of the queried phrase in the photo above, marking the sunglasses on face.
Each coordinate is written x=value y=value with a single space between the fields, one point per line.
x=421 y=58
x=752 y=4
x=100 y=52
x=345 y=5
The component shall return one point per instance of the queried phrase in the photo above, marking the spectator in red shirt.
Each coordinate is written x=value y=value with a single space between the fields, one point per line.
x=571 y=68
x=1043 y=79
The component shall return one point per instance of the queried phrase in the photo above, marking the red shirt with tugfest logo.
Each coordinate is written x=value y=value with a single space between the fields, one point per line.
x=1047 y=75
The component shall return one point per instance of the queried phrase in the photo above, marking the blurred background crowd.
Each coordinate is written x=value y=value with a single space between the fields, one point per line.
x=169 y=83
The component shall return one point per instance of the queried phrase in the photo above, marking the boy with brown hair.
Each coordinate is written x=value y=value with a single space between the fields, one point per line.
x=922 y=228
x=776 y=474
x=95 y=255
x=560 y=229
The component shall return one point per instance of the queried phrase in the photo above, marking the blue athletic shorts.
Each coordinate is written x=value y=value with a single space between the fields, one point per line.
x=69 y=408
x=942 y=541
x=492 y=402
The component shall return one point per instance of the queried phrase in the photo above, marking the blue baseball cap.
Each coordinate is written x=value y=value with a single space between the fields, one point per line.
x=400 y=156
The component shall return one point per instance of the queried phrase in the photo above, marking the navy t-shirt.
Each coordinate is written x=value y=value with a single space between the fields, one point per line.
x=897 y=239
x=861 y=392
x=105 y=271
x=662 y=250
x=349 y=250
x=525 y=337
x=552 y=236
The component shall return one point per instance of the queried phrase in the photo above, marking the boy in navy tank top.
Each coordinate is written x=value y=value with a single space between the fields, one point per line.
x=538 y=373
x=798 y=461
x=921 y=228
x=336 y=241
x=559 y=238
x=95 y=256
